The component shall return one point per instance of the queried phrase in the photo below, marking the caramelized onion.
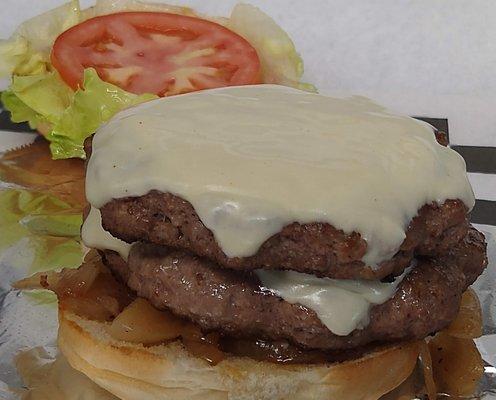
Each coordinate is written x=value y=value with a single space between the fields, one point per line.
x=457 y=364
x=89 y=291
x=88 y=308
x=408 y=390
x=140 y=322
x=103 y=300
x=468 y=323
x=279 y=351
x=450 y=362
x=205 y=347
x=67 y=282
x=428 y=373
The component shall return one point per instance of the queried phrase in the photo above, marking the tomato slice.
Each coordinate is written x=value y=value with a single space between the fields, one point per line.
x=153 y=52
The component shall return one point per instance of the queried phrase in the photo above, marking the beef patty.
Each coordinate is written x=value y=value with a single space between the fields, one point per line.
x=233 y=302
x=315 y=248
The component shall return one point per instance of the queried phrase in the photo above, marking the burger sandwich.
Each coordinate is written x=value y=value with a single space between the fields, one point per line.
x=248 y=240
x=264 y=242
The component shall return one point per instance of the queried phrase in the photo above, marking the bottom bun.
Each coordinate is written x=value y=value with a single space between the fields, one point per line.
x=169 y=371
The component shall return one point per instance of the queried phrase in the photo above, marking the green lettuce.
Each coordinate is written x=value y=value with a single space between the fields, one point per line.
x=95 y=104
x=39 y=232
x=103 y=7
x=69 y=117
x=19 y=111
x=27 y=52
x=281 y=64
x=43 y=226
x=12 y=53
x=46 y=94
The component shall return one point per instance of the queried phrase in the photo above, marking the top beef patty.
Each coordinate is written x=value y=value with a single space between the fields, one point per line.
x=315 y=248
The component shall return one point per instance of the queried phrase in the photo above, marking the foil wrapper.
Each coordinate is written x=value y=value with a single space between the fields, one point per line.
x=485 y=287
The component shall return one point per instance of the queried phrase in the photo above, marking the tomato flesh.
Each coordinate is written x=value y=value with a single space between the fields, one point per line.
x=160 y=53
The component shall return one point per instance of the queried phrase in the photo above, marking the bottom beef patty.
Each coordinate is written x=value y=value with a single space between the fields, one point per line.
x=233 y=302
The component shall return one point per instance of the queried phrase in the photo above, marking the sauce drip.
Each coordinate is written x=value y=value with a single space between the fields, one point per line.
x=95 y=237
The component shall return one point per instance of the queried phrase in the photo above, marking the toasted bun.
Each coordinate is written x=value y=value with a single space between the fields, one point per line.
x=135 y=372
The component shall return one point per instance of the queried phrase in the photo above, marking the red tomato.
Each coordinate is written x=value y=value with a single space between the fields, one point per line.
x=161 y=53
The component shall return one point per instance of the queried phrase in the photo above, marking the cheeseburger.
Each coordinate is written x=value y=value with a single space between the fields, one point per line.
x=261 y=242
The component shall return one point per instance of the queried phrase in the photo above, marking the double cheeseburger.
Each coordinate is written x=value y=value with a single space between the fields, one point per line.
x=267 y=243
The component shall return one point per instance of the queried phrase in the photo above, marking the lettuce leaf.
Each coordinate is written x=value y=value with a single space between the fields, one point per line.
x=42 y=30
x=27 y=51
x=41 y=225
x=67 y=117
x=281 y=63
x=39 y=232
x=90 y=107
x=61 y=225
x=12 y=52
x=46 y=94
x=103 y=7
x=37 y=99
x=20 y=112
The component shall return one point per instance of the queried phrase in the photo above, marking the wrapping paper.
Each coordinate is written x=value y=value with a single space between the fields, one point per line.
x=420 y=58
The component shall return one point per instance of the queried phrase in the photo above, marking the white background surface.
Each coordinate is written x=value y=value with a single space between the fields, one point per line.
x=425 y=57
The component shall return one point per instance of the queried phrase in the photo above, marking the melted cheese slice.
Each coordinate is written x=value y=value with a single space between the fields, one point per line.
x=253 y=159
x=341 y=305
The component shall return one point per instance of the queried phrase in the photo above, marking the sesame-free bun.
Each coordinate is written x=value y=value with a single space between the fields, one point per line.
x=134 y=372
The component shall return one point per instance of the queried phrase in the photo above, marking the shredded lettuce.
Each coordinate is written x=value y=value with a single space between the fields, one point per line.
x=281 y=63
